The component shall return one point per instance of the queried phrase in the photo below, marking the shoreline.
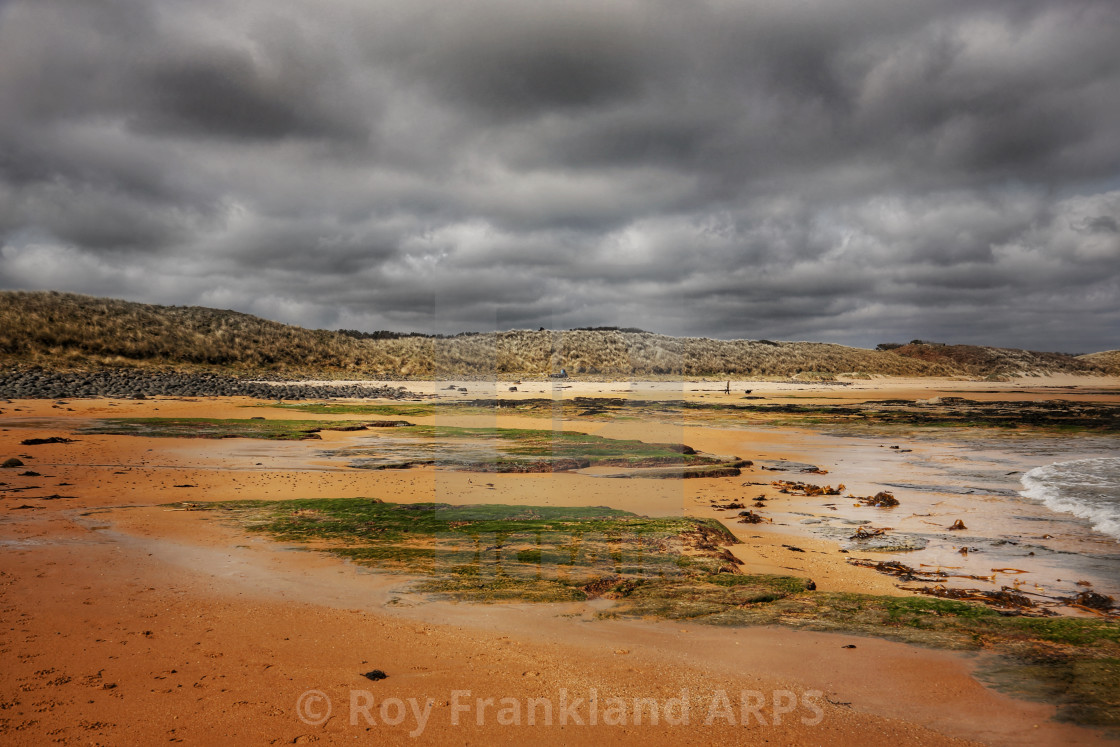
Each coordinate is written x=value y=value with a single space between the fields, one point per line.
x=859 y=460
x=250 y=637
x=214 y=571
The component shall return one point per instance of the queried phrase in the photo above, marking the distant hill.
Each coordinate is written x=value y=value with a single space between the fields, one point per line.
x=63 y=330
x=977 y=360
x=1108 y=361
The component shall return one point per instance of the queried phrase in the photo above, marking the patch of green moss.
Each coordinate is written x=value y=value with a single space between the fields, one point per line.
x=674 y=568
x=471 y=550
x=560 y=444
x=282 y=430
x=1045 y=417
x=514 y=450
x=1084 y=688
x=332 y=408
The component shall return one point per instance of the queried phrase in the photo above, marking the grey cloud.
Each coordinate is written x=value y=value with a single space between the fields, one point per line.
x=523 y=64
x=1100 y=224
x=222 y=94
x=853 y=172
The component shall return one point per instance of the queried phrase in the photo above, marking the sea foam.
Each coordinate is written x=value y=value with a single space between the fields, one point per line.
x=1087 y=488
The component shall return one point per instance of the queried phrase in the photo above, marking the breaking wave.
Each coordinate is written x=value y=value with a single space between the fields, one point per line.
x=1087 y=488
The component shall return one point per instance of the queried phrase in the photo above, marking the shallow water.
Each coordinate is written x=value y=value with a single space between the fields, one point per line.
x=1086 y=488
x=1042 y=504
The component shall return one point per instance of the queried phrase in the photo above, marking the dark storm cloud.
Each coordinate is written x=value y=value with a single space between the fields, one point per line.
x=855 y=172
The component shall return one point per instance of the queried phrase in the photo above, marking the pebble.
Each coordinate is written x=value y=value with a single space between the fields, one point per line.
x=133 y=384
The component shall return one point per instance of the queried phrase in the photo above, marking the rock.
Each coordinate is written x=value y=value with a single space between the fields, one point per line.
x=42 y=384
x=10 y=463
x=375 y=675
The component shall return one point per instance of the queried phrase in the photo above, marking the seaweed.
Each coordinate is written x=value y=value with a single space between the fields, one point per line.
x=882 y=499
x=494 y=552
x=259 y=428
x=806 y=489
x=1053 y=416
x=679 y=568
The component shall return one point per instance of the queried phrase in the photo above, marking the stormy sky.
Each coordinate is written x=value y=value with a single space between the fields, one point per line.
x=856 y=172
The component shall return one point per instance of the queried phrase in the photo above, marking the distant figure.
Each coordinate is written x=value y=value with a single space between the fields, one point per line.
x=727 y=389
x=562 y=375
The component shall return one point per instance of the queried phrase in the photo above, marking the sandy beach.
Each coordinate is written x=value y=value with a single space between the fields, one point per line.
x=560 y=373
x=127 y=620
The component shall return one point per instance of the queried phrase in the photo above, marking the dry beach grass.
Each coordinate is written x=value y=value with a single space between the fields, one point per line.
x=55 y=329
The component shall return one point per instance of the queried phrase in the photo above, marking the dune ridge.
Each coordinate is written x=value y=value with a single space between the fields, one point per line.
x=69 y=331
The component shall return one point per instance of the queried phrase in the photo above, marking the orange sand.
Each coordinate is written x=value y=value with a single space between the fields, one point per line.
x=124 y=622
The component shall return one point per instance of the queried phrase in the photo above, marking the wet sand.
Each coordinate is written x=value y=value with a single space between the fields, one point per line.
x=125 y=621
